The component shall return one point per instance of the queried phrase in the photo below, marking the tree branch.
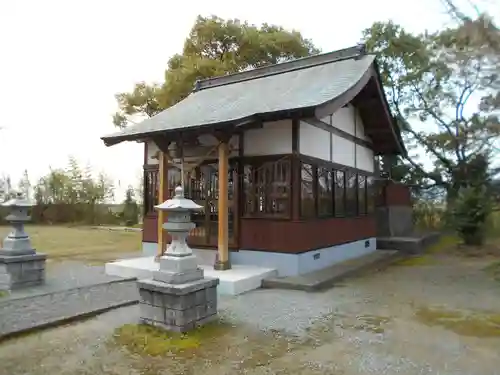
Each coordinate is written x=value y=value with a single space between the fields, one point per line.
x=439 y=120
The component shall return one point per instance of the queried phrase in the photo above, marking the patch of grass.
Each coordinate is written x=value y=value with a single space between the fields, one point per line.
x=84 y=244
x=420 y=260
x=147 y=340
x=474 y=324
x=494 y=270
x=4 y=293
x=445 y=243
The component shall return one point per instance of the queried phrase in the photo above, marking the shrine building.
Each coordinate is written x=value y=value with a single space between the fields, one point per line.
x=282 y=159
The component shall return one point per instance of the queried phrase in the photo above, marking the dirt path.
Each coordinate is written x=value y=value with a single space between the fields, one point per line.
x=440 y=317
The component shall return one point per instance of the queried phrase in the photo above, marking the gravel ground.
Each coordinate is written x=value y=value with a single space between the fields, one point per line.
x=71 y=288
x=64 y=276
x=370 y=325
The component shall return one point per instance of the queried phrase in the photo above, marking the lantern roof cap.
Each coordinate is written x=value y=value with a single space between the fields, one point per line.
x=18 y=201
x=178 y=202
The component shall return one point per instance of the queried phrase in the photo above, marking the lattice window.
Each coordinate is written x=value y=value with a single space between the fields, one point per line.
x=361 y=195
x=325 y=193
x=340 y=197
x=308 y=190
x=173 y=180
x=370 y=194
x=151 y=186
x=351 y=193
x=267 y=188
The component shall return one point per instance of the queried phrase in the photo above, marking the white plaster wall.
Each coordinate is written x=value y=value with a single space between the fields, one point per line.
x=273 y=138
x=364 y=159
x=314 y=141
x=360 y=127
x=343 y=119
x=348 y=120
x=152 y=151
x=343 y=151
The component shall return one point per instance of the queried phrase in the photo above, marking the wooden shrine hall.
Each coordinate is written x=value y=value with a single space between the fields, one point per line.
x=282 y=159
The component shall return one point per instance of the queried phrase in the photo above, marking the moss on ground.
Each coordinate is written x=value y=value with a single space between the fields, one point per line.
x=419 y=260
x=366 y=323
x=213 y=343
x=445 y=243
x=4 y=293
x=474 y=324
x=494 y=270
x=147 y=340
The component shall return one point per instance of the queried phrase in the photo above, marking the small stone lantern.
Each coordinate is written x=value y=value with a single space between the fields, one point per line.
x=179 y=222
x=20 y=264
x=178 y=297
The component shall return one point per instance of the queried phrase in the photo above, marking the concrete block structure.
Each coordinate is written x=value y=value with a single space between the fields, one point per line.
x=21 y=271
x=180 y=308
x=178 y=297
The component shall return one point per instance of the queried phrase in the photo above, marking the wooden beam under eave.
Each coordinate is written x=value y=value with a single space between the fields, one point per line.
x=162 y=142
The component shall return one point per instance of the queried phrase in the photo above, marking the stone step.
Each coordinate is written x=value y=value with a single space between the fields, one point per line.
x=409 y=245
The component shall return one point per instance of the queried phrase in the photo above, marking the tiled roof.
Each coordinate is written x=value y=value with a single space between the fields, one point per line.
x=301 y=83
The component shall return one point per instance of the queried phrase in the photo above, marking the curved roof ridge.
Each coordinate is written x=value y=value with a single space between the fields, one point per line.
x=284 y=67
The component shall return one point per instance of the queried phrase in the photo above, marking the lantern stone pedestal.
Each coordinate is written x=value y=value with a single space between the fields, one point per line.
x=178 y=297
x=20 y=265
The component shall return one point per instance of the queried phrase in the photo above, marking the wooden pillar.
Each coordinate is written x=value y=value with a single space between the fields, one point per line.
x=376 y=166
x=222 y=260
x=161 y=198
x=296 y=173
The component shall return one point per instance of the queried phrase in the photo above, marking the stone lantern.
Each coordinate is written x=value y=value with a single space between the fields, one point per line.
x=20 y=264
x=178 y=297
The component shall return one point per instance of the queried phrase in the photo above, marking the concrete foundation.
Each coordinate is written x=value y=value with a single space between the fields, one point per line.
x=19 y=271
x=178 y=308
x=285 y=264
x=239 y=279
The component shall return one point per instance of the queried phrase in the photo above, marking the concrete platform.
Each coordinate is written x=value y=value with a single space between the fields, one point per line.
x=238 y=280
x=327 y=277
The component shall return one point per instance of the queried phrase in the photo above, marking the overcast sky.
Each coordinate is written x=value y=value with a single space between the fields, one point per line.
x=61 y=62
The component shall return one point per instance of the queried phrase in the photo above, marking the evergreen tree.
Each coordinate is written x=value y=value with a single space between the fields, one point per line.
x=130 y=208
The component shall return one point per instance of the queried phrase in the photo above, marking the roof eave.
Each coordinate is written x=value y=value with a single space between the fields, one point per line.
x=401 y=149
x=208 y=128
